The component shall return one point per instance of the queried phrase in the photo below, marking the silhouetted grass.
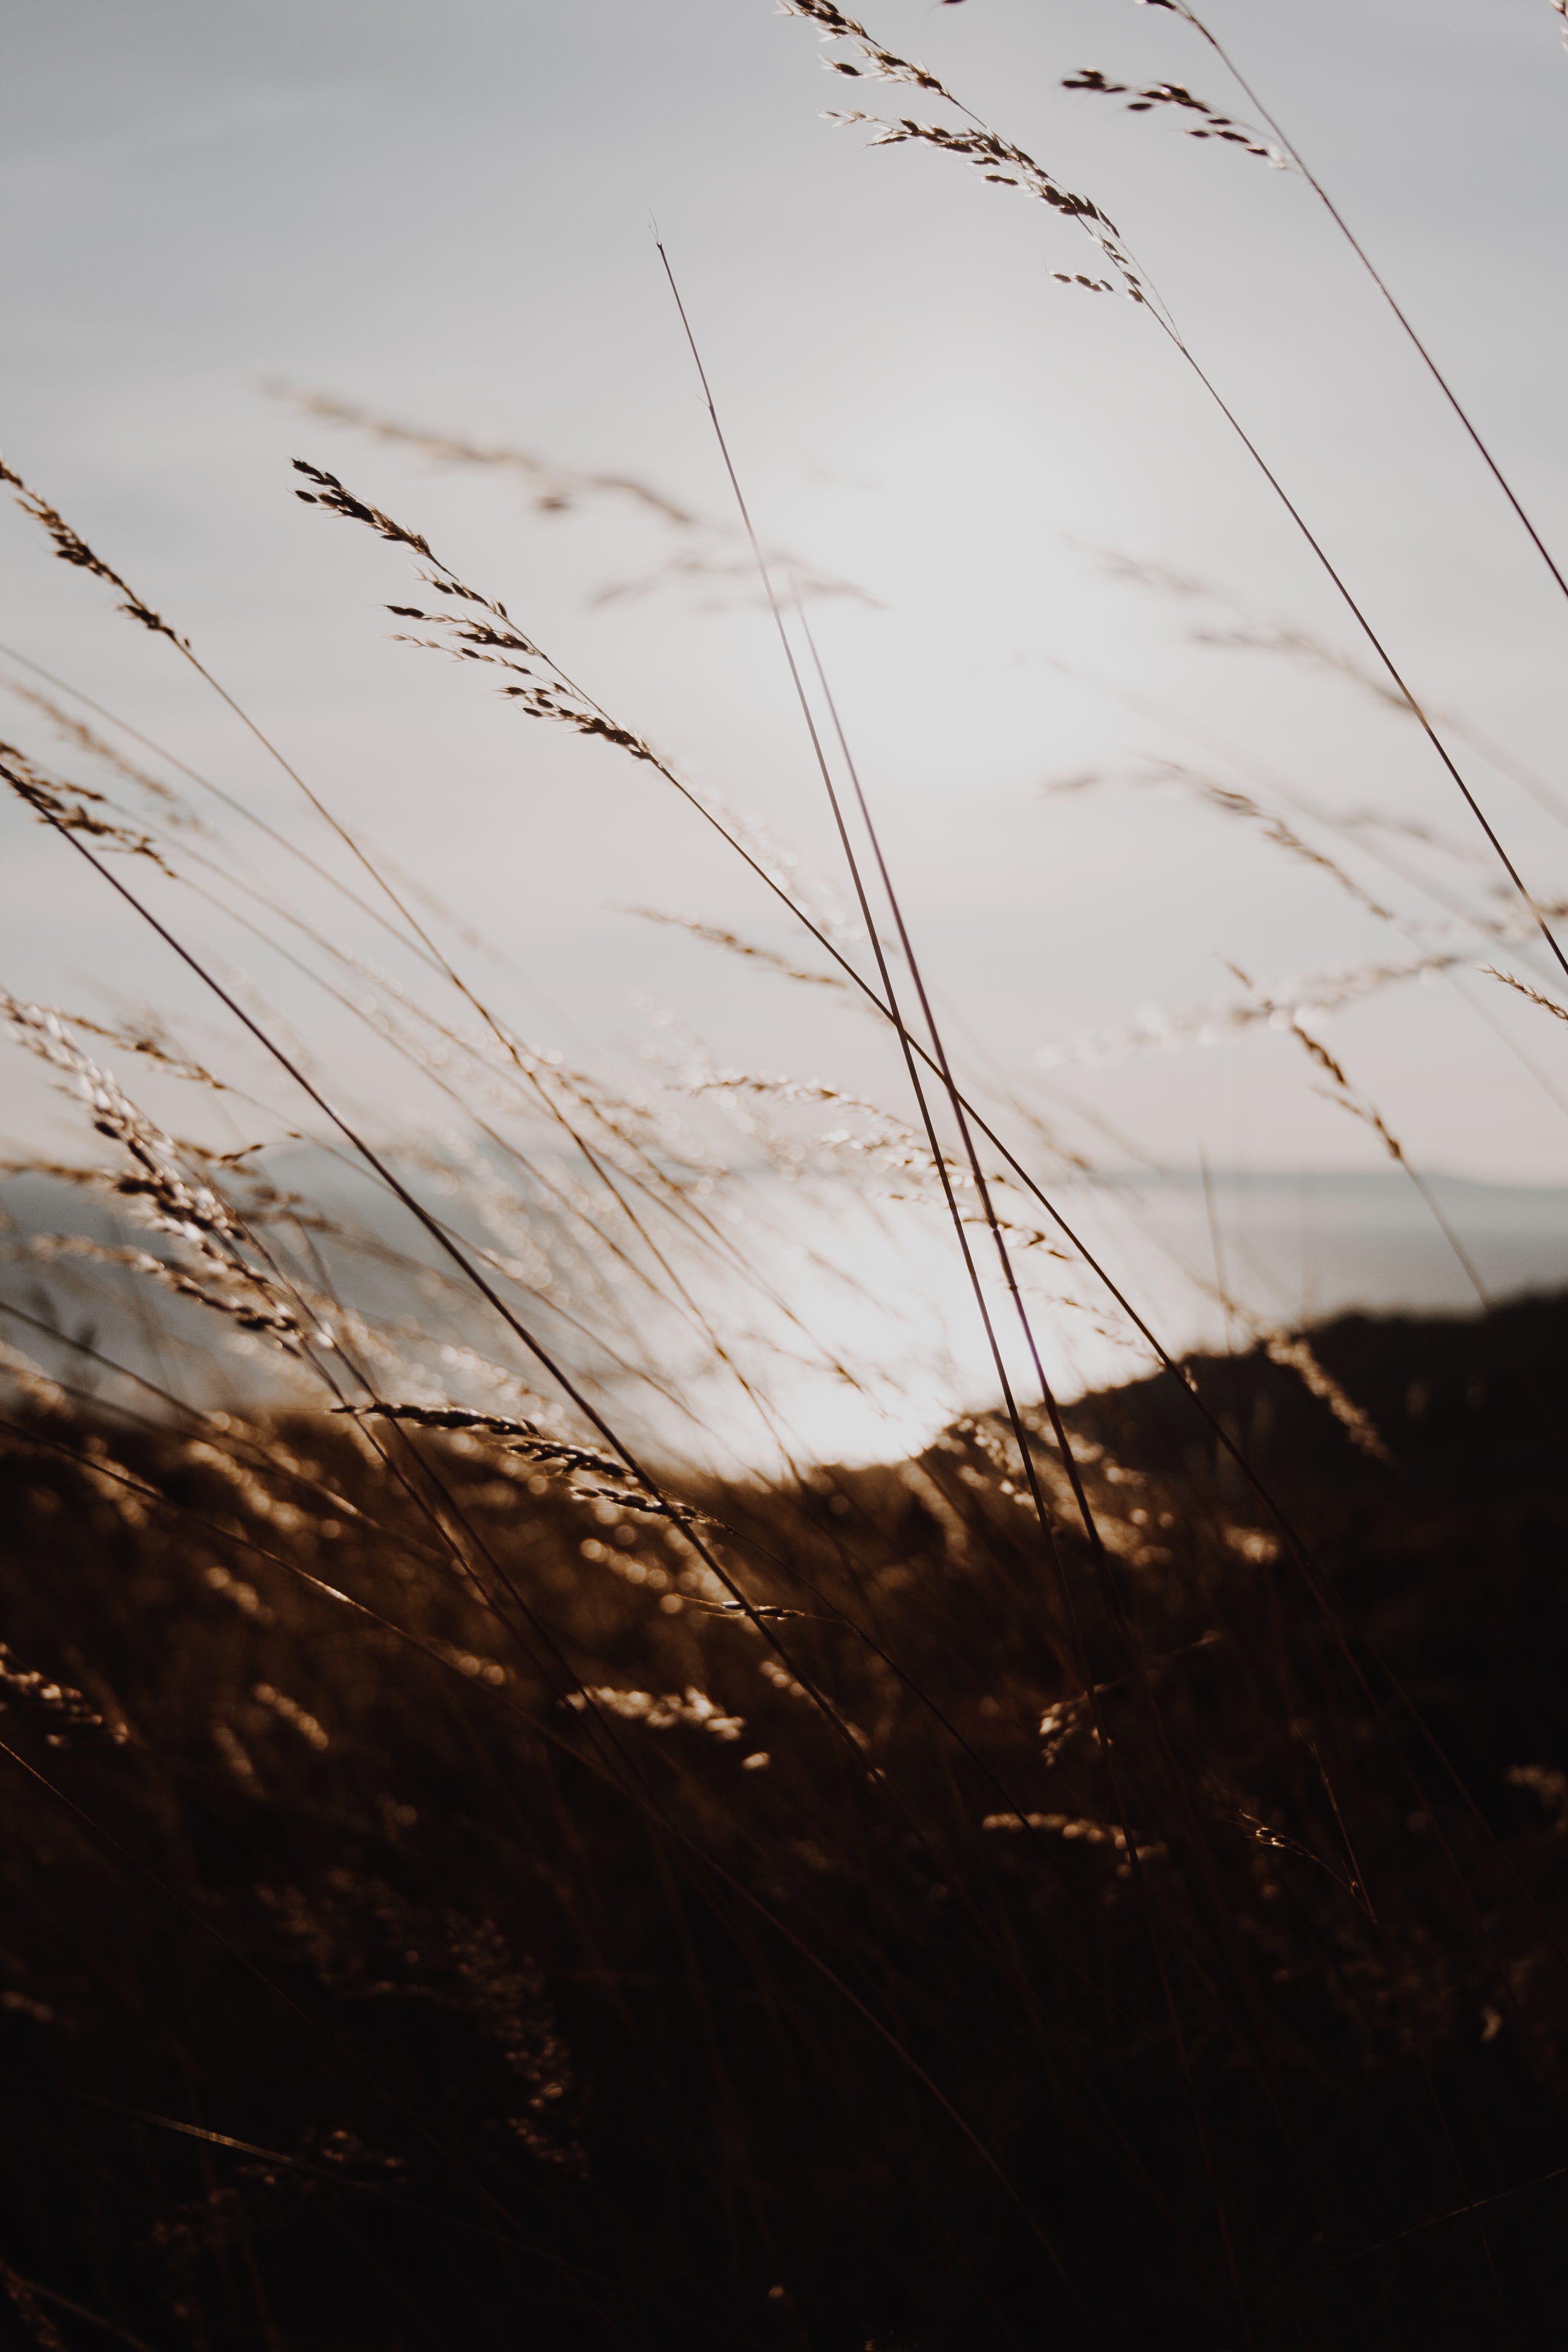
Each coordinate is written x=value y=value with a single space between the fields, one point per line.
x=370 y=1992
x=469 y=1882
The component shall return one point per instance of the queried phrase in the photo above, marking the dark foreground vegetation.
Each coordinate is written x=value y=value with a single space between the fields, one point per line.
x=567 y=1960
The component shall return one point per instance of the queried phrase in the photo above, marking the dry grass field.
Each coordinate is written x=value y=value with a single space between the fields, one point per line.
x=475 y=1876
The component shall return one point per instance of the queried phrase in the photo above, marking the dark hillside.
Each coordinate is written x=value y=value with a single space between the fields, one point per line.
x=398 y=1952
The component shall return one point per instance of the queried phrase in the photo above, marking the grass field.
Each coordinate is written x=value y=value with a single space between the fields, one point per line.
x=475 y=1874
x=388 y=1963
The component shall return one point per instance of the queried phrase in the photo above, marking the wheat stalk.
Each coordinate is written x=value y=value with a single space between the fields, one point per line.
x=981 y=146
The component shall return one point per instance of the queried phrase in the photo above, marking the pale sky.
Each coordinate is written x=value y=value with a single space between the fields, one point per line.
x=444 y=215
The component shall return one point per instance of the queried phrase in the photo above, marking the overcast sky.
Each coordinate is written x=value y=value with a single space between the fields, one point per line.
x=444 y=215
